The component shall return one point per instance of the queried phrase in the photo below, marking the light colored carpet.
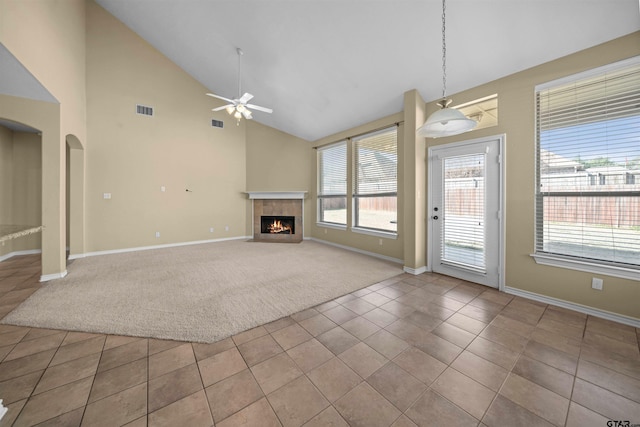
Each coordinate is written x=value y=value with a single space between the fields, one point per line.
x=200 y=293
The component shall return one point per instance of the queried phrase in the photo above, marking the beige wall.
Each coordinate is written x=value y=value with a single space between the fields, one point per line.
x=392 y=248
x=277 y=161
x=21 y=189
x=45 y=117
x=6 y=184
x=413 y=181
x=516 y=119
x=47 y=37
x=132 y=156
x=27 y=186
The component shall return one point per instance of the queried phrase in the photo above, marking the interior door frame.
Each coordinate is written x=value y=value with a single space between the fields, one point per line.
x=502 y=138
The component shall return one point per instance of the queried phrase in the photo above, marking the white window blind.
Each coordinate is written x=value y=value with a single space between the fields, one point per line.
x=375 y=180
x=588 y=166
x=462 y=218
x=332 y=183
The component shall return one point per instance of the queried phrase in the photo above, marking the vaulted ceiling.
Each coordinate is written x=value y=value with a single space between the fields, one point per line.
x=329 y=65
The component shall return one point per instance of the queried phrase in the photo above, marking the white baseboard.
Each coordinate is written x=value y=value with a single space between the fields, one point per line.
x=620 y=318
x=415 y=271
x=47 y=277
x=360 y=251
x=16 y=253
x=146 y=248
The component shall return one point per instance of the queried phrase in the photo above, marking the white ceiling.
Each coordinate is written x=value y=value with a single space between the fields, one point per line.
x=329 y=65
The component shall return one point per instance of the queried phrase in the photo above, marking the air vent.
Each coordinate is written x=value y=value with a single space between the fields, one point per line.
x=144 y=110
x=217 y=123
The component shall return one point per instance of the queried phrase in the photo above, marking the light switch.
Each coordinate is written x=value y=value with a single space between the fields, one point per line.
x=106 y=195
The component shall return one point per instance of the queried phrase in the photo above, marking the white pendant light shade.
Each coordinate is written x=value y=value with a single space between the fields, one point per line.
x=446 y=122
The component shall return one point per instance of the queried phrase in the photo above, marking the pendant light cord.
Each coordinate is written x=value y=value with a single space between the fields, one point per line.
x=444 y=52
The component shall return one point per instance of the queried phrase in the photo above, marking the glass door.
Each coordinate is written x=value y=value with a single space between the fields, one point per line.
x=465 y=219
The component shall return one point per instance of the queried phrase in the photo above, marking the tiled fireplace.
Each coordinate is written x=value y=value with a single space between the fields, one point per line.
x=277 y=216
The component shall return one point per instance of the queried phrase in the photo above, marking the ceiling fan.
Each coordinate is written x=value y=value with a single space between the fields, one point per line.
x=238 y=107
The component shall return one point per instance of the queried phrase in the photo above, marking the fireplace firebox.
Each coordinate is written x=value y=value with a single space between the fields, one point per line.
x=278 y=224
x=277 y=216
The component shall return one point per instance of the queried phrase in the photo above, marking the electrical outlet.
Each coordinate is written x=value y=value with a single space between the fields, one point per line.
x=211 y=230
x=380 y=242
x=325 y=231
x=157 y=234
x=596 y=283
x=226 y=228
x=106 y=195
x=163 y=189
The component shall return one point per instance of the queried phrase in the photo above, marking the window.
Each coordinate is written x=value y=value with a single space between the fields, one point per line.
x=483 y=110
x=332 y=184
x=375 y=180
x=588 y=155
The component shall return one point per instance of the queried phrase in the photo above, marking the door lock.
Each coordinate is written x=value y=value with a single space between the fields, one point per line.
x=435 y=217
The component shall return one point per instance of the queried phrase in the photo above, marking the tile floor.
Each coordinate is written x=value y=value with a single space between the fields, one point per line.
x=426 y=350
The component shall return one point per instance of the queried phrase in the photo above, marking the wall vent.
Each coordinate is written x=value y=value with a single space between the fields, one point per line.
x=217 y=123
x=144 y=110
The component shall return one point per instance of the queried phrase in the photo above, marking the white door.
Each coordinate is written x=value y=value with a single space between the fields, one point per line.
x=466 y=195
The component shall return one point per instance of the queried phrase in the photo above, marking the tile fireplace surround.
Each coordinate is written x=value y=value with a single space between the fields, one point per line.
x=277 y=203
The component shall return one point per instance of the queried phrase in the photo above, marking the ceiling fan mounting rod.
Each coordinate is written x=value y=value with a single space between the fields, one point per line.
x=240 y=53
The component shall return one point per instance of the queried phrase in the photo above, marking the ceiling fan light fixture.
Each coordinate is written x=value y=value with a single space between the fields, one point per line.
x=238 y=107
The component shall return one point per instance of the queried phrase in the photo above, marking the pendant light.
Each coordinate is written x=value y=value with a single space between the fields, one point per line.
x=446 y=121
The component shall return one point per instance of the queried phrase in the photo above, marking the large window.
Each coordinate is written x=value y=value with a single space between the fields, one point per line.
x=588 y=169
x=332 y=184
x=375 y=180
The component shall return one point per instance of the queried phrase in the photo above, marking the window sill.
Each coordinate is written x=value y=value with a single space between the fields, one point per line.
x=376 y=233
x=580 y=265
x=330 y=225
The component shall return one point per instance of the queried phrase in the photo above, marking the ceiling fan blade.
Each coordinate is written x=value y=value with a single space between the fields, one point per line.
x=222 y=108
x=220 y=97
x=257 y=107
x=245 y=98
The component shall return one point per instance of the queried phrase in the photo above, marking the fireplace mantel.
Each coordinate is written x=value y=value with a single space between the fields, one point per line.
x=271 y=195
